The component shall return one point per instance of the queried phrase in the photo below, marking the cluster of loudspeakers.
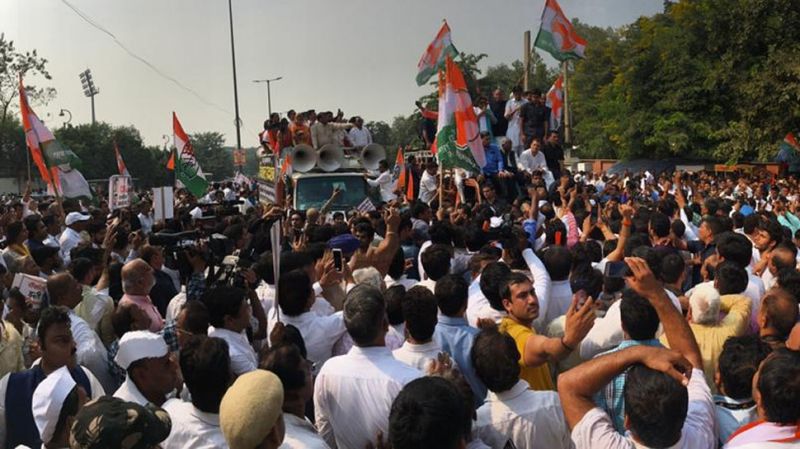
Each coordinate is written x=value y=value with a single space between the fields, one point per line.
x=330 y=157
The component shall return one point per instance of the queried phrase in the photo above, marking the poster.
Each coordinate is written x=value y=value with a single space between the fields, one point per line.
x=119 y=192
x=32 y=287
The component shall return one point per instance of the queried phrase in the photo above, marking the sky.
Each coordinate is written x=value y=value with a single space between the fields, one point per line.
x=357 y=55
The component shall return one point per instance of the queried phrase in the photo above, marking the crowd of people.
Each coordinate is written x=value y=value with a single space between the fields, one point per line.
x=314 y=129
x=526 y=306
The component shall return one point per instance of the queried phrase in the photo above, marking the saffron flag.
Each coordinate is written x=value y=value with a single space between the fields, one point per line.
x=458 y=140
x=187 y=170
x=171 y=161
x=555 y=101
x=399 y=172
x=434 y=57
x=123 y=170
x=557 y=36
x=57 y=164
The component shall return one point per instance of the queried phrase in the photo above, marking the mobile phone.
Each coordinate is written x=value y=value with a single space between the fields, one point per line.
x=338 y=260
x=617 y=270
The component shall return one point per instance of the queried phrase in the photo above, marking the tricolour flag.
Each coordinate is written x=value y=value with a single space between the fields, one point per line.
x=57 y=164
x=366 y=206
x=557 y=36
x=123 y=170
x=458 y=140
x=187 y=170
x=33 y=126
x=555 y=101
x=789 y=153
x=434 y=57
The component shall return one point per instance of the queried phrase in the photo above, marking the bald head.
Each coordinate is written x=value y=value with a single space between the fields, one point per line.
x=312 y=216
x=782 y=258
x=64 y=290
x=137 y=278
x=778 y=313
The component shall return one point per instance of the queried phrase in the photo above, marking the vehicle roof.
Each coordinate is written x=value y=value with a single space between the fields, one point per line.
x=327 y=174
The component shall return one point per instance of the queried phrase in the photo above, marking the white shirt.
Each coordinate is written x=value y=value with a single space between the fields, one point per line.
x=531 y=419
x=69 y=239
x=384 y=181
x=478 y=306
x=607 y=331
x=559 y=301
x=528 y=162
x=430 y=284
x=353 y=395
x=427 y=187
x=52 y=240
x=146 y=222
x=192 y=428
x=595 y=429
x=94 y=384
x=243 y=357
x=730 y=420
x=417 y=356
x=320 y=333
x=403 y=280
x=300 y=434
x=360 y=137
x=128 y=391
x=91 y=352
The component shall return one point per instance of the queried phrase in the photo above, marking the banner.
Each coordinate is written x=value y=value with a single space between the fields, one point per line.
x=119 y=188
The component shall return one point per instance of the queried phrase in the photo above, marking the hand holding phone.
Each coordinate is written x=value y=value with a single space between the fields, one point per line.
x=338 y=259
x=617 y=270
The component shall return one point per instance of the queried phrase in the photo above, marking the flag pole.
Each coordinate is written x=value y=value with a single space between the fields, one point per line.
x=567 y=114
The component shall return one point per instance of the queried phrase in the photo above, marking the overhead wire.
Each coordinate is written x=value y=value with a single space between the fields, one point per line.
x=144 y=61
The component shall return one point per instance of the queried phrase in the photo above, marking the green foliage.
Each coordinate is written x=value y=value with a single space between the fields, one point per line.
x=706 y=79
x=94 y=145
x=381 y=132
x=30 y=65
x=211 y=154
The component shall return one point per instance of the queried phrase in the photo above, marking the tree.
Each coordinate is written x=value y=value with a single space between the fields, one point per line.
x=381 y=132
x=13 y=64
x=94 y=145
x=209 y=149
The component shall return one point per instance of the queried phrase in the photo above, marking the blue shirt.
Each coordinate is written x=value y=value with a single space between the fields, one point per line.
x=494 y=160
x=455 y=337
x=610 y=398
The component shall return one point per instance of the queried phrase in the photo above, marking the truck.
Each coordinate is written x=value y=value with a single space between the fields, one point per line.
x=316 y=174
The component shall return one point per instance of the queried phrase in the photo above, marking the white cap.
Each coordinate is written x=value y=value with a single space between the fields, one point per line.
x=495 y=222
x=48 y=400
x=74 y=217
x=138 y=345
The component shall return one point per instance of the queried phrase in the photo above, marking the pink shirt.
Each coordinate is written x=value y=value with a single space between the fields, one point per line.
x=144 y=303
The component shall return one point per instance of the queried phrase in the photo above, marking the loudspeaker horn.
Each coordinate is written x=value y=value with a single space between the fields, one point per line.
x=371 y=155
x=330 y=157
x=304 y=158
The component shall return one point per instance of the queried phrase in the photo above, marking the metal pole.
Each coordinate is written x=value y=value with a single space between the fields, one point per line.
x=93 y=118
x=567 y=115
x=235 y=88
x=269 y=99
x=526 y=58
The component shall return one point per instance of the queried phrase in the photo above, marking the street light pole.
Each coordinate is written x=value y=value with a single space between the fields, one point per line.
x=235 y=87
x=61 y=114
x=269 y=95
